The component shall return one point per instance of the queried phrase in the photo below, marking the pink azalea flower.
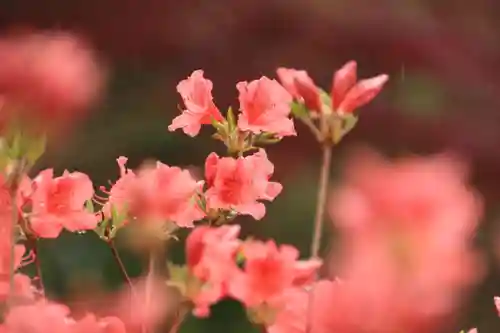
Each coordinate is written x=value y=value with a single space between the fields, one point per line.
x=196 y=92
x=265 y=107
x=269 y=271
x=239 y=183
x=300 y=85
x=211 y=256
x=117 y=195
x=58 y=203
x=164 y=193
x=496 y=300
x=348 y=94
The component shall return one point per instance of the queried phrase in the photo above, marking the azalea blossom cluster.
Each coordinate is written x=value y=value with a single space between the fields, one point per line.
x=403 y=262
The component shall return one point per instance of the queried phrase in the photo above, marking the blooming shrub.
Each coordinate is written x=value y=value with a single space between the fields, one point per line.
x=403 y=262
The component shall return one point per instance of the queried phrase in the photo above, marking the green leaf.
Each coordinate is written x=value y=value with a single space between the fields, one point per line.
x=326 y=101
x=35 y=149
x=178 y=273
x=269 y=141
x=350 y=123
x=118 y=217
x=220 y=127
x=16 y=145
x=325 y=97
x=240 y=257
x=231 y=120
x=89 y=206
x=100 y=230
x=299 y=110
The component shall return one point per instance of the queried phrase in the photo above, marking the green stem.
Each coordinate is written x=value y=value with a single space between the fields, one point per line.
x=321 y=201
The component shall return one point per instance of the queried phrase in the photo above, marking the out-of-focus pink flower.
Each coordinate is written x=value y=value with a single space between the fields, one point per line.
x=496 y=300
x=348 y=94
x=196 y=92
x=46 y=317
x=54 y=76
x=408 y=226
x=269 y=271
x=238 y=183
x=211 y=257
x=23 y=194
x=265 y=107
x=300 y=85
x=58 y=203
x=163 y=193
x=146 y=306
x=117 y=195
x=292 y=318
x=91 y=324
x=305 y=308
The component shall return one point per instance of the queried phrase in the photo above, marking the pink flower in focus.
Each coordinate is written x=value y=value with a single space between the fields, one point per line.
x=408 y=226
x=211 y=257
x=54 y=75
x=300 y=85
x=117 y=195
x=238 y=183
x=265 y=107
x=58 y=203
x=269 y=271
x=196 y=92
x=164 y=193
x=348 y=94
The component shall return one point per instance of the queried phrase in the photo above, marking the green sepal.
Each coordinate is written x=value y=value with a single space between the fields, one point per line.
x=102 y=228
x=220 y=127
x=299 y=110
x=231 y=120
x=89 y=206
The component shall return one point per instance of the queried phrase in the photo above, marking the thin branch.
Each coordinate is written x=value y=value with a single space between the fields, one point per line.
x=12 y=256
x=33 y=243
x=318 y=220
x=179 y=318
x=321 y=201
x=309 y=123
x=149 y=287
x=121 y=266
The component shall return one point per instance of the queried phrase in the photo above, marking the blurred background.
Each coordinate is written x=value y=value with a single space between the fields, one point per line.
x=443 y=58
